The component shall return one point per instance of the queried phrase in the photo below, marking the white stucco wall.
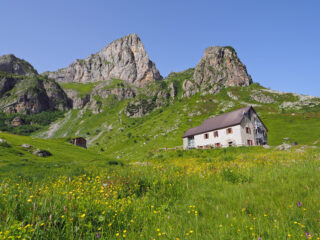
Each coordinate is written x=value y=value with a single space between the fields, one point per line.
x=185 y=143
x=223 y=137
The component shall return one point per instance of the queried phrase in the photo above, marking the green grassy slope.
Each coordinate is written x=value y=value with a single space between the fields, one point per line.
x=124 y=187
x=82 y=88
x=234 y=193
x=117 y=135
x=65 y=156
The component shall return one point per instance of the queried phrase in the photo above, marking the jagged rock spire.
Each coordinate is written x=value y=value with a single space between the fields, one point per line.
x=124 y=59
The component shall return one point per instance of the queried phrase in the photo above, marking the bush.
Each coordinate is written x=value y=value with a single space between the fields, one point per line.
x=114 y=162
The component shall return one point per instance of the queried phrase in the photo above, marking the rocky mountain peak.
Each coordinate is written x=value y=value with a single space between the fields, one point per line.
x=11 y=64
x=219 y=67
x=124 y=59
x=22 y=90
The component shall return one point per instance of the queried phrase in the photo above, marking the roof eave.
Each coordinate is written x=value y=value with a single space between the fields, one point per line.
x=215 y=129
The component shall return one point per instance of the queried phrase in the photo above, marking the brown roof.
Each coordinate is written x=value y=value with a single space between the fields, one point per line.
x=222 y=121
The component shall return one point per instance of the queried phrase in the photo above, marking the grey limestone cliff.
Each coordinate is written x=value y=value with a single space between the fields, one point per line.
x=219 y=67
x=22 y=90
x=124 y=59
x=11 y=64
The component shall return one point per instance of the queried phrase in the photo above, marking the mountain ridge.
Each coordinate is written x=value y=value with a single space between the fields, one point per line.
x=154 y=114
x=124 y=58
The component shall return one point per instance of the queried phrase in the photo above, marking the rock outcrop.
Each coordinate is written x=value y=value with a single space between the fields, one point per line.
x=23 y=91
x=261 y=98
x=10 y=68
x=151 y=98
x=219 y=67
x=189 y=88
x=120 y=91
x=11 y=64
x=41 y=153
x=124 y=59
x=77 y=101
x=34 y=95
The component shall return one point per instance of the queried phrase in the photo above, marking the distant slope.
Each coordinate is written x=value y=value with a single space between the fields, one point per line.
x=65 y=156
x=115 y=134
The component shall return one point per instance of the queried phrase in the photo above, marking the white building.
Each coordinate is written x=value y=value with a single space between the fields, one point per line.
x=241 y=127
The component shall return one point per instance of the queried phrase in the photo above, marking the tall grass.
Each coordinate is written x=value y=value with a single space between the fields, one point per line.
x=238 y=193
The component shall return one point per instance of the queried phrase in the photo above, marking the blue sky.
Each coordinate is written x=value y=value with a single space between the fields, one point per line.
x=278 y=41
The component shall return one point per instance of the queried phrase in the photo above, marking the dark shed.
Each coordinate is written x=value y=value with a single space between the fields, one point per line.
x=79 y=141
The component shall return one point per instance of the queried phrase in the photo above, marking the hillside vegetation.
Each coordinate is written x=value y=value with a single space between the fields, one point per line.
x=134 y=181
x=114 y=133
x=234 y=193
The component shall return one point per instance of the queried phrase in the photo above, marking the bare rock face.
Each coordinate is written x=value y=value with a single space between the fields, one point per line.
x=104 y=91
x=22 y=90
x=140 y=107
x=120 y=91
x=58 y=99
x=34 y=95
x=189 y=88
x=261 y=98
x=124 y=59
x=219 y=67
x=77 y=101
x=173 y=91
x=11 y=64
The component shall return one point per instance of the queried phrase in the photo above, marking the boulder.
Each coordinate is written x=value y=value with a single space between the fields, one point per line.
x=4 y=143
x=26 y=146
x=283 y=146
x=41 y=153
x=17 y=121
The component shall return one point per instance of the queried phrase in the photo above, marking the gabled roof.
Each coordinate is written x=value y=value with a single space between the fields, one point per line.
x=222 y=121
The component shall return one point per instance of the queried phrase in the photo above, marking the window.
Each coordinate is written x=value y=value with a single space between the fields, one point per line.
x=248 y=130
x=250 y=142
x=230 y=144
x=229 y=130
x=217 y=145
x=206 y=136
x=190 y=142
x=215 y=134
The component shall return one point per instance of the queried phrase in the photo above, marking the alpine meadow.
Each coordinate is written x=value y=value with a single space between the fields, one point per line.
x=132 y=177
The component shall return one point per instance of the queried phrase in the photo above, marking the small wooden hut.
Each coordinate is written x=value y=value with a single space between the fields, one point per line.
x=79 y=141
